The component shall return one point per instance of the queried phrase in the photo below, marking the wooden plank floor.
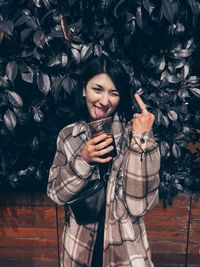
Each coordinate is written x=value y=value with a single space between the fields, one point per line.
x=28 y=233
x=31 y=227
x=194 y=234
x=167 y=230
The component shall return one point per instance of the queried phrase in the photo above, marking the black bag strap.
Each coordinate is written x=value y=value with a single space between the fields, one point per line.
x=104 y=170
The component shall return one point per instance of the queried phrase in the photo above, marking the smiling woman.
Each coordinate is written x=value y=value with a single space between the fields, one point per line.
x=102 y=98
x=105 y=83
x=130 y=174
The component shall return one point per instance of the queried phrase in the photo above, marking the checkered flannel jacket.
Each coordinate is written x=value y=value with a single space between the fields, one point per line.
x=132 y=190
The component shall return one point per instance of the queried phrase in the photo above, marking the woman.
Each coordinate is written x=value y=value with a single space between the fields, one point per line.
x=132 y=187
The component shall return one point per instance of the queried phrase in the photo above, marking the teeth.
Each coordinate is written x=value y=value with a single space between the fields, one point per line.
x=101 y=109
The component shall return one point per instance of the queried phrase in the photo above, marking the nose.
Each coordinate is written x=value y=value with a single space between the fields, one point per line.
x=104 y=100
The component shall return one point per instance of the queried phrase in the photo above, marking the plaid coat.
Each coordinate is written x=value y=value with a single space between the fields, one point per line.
x=132 y=190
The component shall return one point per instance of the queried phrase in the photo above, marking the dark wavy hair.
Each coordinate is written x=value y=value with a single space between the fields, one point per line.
x=98 y=65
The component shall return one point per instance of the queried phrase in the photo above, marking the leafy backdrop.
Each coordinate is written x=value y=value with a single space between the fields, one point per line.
x=42 y=45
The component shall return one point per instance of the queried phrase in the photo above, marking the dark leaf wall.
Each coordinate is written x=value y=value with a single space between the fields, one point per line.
x=42 y=45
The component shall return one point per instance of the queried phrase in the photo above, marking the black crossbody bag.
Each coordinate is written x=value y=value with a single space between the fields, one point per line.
x=88 y=205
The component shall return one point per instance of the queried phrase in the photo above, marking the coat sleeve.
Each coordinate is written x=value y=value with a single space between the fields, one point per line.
x=141 y=176
x=69 y=172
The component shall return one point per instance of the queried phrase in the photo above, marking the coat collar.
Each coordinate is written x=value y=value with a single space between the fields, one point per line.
x=79 y=128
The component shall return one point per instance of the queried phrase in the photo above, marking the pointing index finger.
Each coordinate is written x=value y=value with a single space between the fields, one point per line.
x=140 y=103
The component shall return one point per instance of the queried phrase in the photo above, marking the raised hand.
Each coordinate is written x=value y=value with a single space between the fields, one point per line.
x=143 y=121
x=97 y=147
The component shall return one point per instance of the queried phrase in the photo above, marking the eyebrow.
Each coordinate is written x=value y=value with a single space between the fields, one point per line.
x=98 y=85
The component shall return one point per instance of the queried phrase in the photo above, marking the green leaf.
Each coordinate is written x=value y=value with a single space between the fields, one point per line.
x=164 y=121
x=179 y=29
x=38 y=175
x=39 y=38
x=24 y=18
x=154 y=83
x=86 y=51
x=172 y=115
x=195 y=6
x=35 y=143
x=186 y=70
x=4 y=82
x=117 y=7
x=6 y=26
x=68 y=84
x=157 y=15
x=98 y=50
x=76 y=55
x=178 y=186
x=56 y=87
x=22 y=116
x=186 y=130
x=26 y=12
x=43 y=82
x=11 y=70
x=193 y=79
x=15 y=99
x=195 y=91
x=190 y=43
x=176 y=152
x=130 y=27
x=164 y=148
x=54 y=61
x=27 y=77
x=179 y=136
x=3 y=102
x=157 y=116
x=10 y=120
x=108 y=33
x=173 y=78
x=64 y=59
x=148 y=6
x=37 y=114
x=183 y=93
x=139 y=18
x=161 y=65
x=170 y=9
x=38 y=3
x=55 y=34
x=161 y=119
x=183 y=53
x=184 y=108
x=38 y=53
x=25 y=33
x=113 y=45
x=32 y=23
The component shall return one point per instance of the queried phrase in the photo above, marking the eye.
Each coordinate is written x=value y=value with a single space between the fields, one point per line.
x=114 y=93
x=97 y=89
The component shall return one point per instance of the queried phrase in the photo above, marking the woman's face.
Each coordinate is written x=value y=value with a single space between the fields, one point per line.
x=102 y=97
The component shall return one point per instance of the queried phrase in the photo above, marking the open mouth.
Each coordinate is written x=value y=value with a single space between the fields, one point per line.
x=100 y=113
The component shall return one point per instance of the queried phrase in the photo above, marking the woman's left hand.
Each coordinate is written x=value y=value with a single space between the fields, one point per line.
x=142 y=122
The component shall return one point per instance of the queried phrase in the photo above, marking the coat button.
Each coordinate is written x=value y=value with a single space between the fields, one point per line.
x=142 y=140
